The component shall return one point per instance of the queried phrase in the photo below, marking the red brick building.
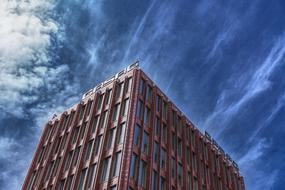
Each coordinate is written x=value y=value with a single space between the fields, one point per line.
x=126 y=134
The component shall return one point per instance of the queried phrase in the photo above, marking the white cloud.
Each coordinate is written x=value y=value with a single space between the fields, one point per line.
x=258 y=82
x=26 y=29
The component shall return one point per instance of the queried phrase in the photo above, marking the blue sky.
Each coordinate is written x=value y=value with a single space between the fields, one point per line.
x=221 y=62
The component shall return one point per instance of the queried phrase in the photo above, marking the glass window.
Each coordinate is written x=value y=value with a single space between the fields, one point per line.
x=82 y=131
x=164 y=132
x=162 y=183
x=106 y=169
x=154 y=180
x=164 y=111
x=142 y=174
x=134 y=166
x=116 y=112
x=108 y=96
x=195 y=183
x=137 y=135
x=155 y=152
x=67 y=163
x=194 y=162
x=188 y=154
x=99 y=102
x=125 y=107
x=82 y=179
x=120 y=133
x=58 y=141
x=111 y=138
x=148 y=93
x=70 y=182
x=49 y=170
x=75 y=157
x=189 y=181
x=157 y=126
x=158 y=103
x=179 y=147
x=163 y=158
x=116 y=164
x=139 y=109
x=89 y=105
x=173 y=141
x=119 y=91
x=147 y=116
x=128 y=85
x=104 y=119
x=88 y=151
x=95 y=124
x=61 y=184
x=91 y=175
x=81 y=112
x=98 y=144
x=173 y=167
x=75 y=135
x=180 y=174
x=145 y=143
x=55 y=167
x=142 y=86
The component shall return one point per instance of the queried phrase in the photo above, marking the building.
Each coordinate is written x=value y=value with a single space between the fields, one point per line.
x=126 y=134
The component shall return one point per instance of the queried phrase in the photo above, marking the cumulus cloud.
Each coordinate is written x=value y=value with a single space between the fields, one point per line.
x=26 y=34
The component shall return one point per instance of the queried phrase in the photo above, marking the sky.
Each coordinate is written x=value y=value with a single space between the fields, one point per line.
x=221 y=62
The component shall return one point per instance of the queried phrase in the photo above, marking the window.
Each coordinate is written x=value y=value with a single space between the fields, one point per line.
x=115 y=112
x=125 y=107
x=95 y=124
x=99 y=102
x=163 y=158
x=106 y=169
x=134 y=166
x=189 y=181
x=82 y=131
x=89 y=105
x=164 y=132
x=147 y=116
x=111 y=138
x=53 y=172
x=32 y=181
x=75 y=157
x=188 y=154
x=91 y=175
x=108 y=96
x=142 y=86
x=49 y=171
x=81 y=112
x=70 y=182
x=70 y=119
x=139 y=109
x=116 y=165
x=157 y=126
x=158 y=103
x=162 y=183
x=148 y=93
x=98 y=145
x=128 y=85
x=173 y=167
x=104 y=120
x=88 y=151
x=58 y=141
x=180 y=174
x=63 y=142
x=155 y=152
x=173 y=141
x=164 y=110
x=67 y=163
x=195 y=183
x=41 y=154
x=61 y=184
x=154 y=180
x=142 y=174
x=82 y=179
x=137 y=135
x=145 y=143
x=194 y=162
x=75 y=135
x=179 y=147
x=121 y=133
x=119 y=91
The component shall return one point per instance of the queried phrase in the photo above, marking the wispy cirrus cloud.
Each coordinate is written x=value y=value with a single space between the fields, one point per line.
x=247 y=87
